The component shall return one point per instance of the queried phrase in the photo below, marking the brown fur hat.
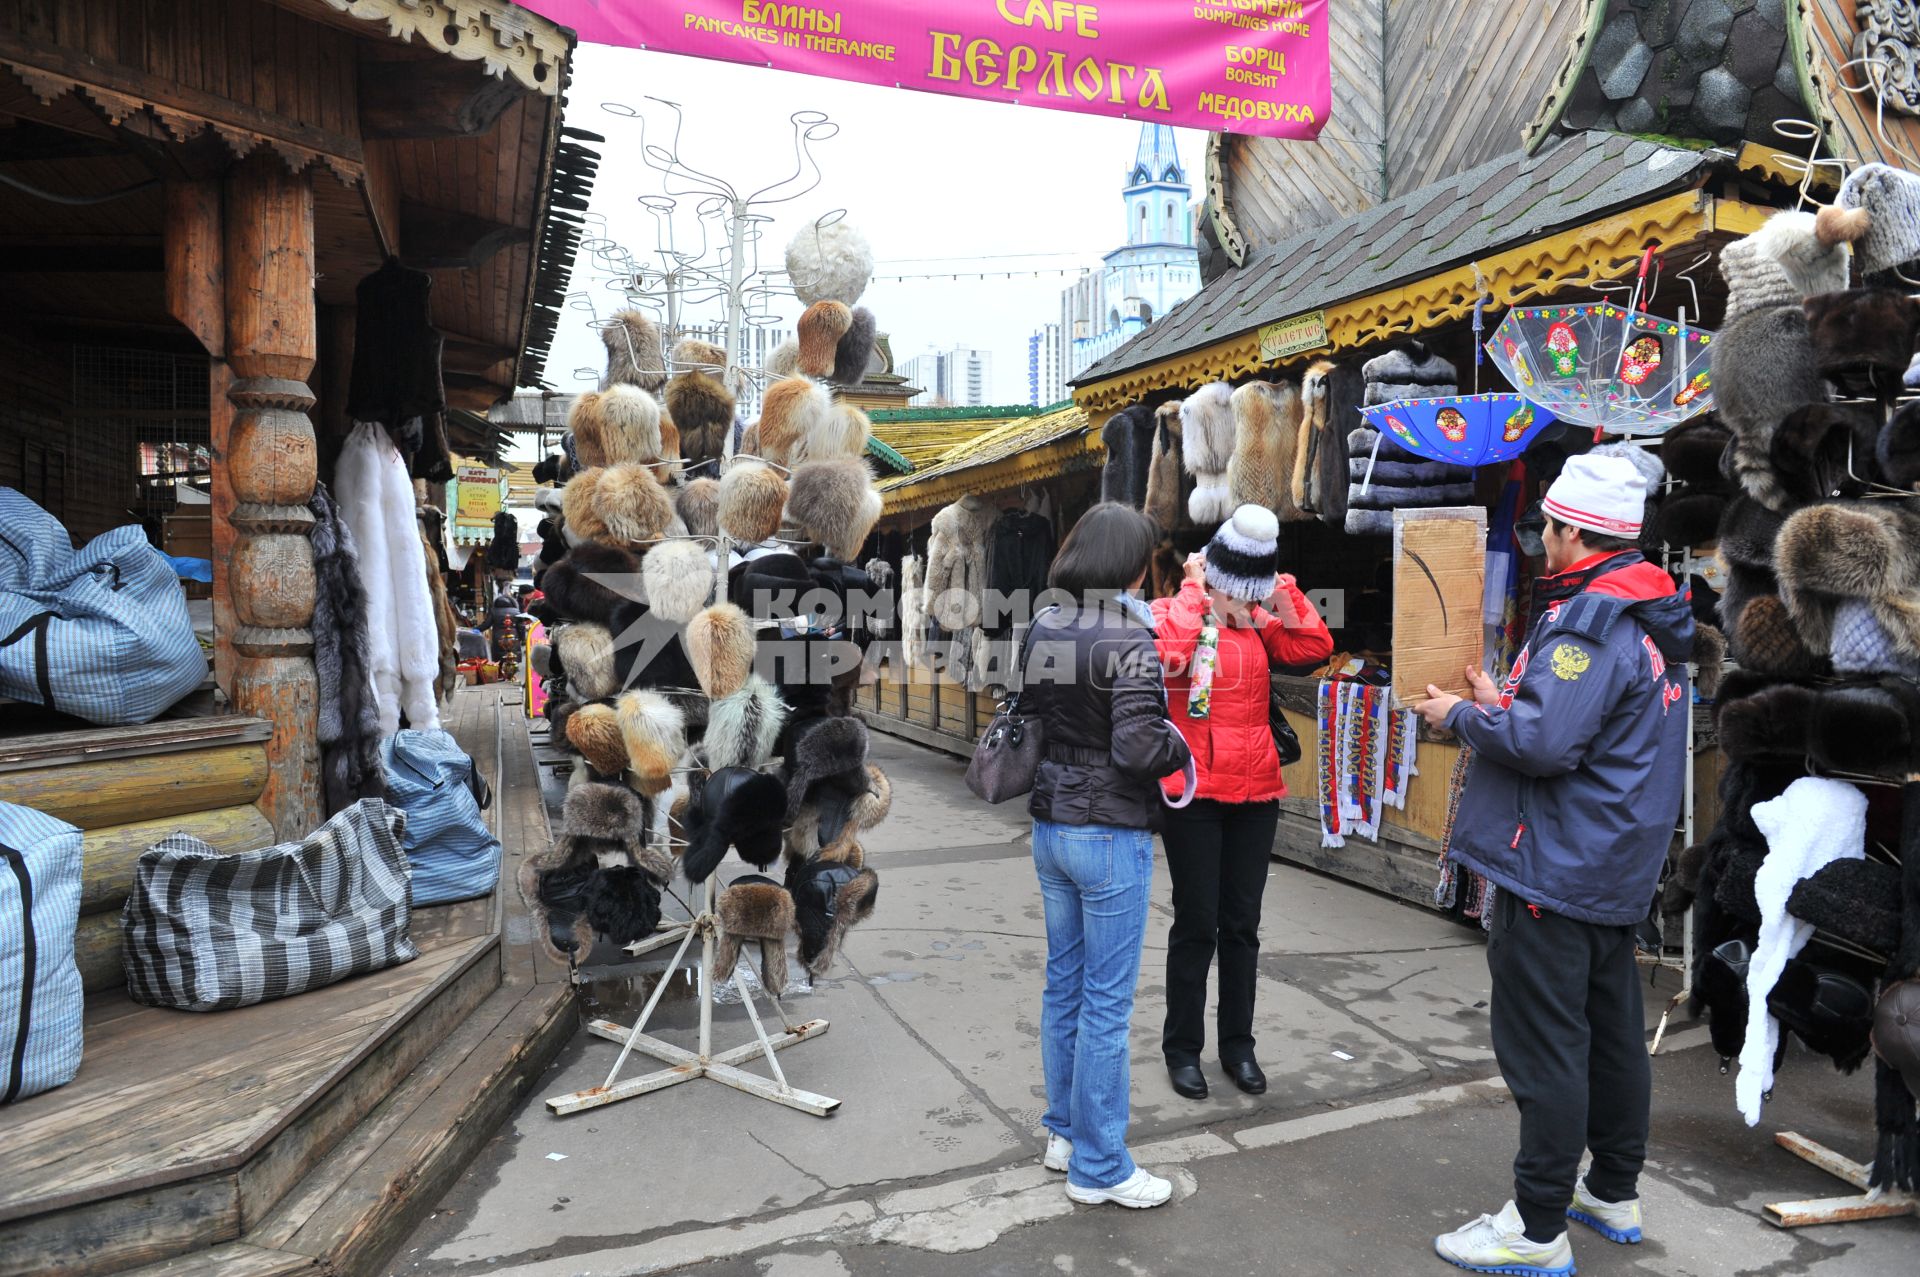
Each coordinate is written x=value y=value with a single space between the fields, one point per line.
x=854 y=353
x=655 y=731
x=691 y=353
x=586 y=654
x=702 y=407
x=1769 y=722
x=845 y=819
x=819 y=332
x=594 y=732
x=792 y=410
x=1266 y=427
x=1692 y=450
x=1165 y=503
x=821 y=935
x=844 y=434
x=720 y=644
x=679 y=579
x=744 y=727
x=603 y=813
x=759 y=909
x=1822 y=451
x=580 y=521
x=749 y=441
x=632 y=504
x=668 y=465
x=835 y=503
x=1765 y=639
x=588 y=584
x=1863 y=338
x=1863 y=550
x=1710 y=658
x=634 y=353
x=753 y=499
x=698 y=505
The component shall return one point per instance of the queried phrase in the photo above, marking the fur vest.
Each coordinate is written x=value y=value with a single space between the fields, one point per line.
x=1335 y=413
x=1206 y=447
x=1401 y=480
x=348 y=729
x=1128 y=438
x=1167 y=484
x=1266 y=430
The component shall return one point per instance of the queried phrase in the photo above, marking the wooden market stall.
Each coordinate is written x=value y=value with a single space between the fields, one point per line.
x=189 y=195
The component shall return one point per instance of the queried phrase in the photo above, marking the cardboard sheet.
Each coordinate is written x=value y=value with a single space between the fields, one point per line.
x=1439 y=574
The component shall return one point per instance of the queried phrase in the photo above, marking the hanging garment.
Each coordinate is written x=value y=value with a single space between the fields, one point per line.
x=446 y=627
x=1500 y=609
x=349 y=728
x=1022 y=551
x=503 y=553
x=396 y=366
x=1814 y=823
x=375 y=496
x=956 y=579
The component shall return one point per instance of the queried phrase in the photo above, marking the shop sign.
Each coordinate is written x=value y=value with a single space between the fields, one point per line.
x=1292 y=336
x=1237 y=66
x=476 y=497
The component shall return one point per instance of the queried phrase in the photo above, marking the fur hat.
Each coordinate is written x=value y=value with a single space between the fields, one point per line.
x=585 y=653
x=720 y=643
x=694 y=354
x=679 y=579
x=554 y=887
x=791 y=410
x=1897 y=449
x=1793 y=255
x=1163 y=498
x=1769 y=723
x=744 y=726
x=1689 y=518
x=594 y=733
x=854 y=353
x=591 y=583
x=832 y=262
x=1765 y=639
x=698 y=505
x=1748 y=530
x=784 y=359
x=635 y=356
x=1891 y=198
x=1857 y=900
x=1709 y=658
x=1863 y=338
x=1244 y=554
x=835 y=503
x=581 y=521
x=1763 y=368
x=623 y=903
x=1266 y=427
x=753 y=500
x=736 y=808
x=819 y=332
x=649 y=651
x=844 y=434
x=552 y=468
x=837 y=811
x=1821 y=451
x=1864 y=550
x=1860 y=644
x=1127 y=438
x=757 y=585
x=754 y=908
x=827 y=748
x=655 y=731
x=1692 y=450
x=631 y=504
x=1206 y=418
x=829 y=899
x=603 y=813
x=1413 y=372
x=702 y=408
x=1872 y=729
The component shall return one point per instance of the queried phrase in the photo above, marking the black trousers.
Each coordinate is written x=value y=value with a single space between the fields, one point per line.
x=1219 y=855
x=1569 y=1032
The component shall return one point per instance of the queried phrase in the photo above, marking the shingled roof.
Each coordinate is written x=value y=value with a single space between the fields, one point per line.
x=1504 y=202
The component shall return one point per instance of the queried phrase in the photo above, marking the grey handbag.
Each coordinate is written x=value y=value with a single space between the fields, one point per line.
x=1007 y=756
x=205 y=932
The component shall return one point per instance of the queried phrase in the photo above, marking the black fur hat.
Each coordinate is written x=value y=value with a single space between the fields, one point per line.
x=561 y=892
x=855 y=349
x=1747 y=532
x=827 y=749
x=1830 y=1010
x=737 y=808
x=1857 y=900
x=1688 y=518
x=1693 y=451
x=1722 y=986
x=1871 y=729
x=1770 y=722
x=1898 y=447
x=648 y=651
x=1823 y=451
x=588 y=584
x=1863 y=338
x=770 y=587
x=623 y=904
x=829 y=897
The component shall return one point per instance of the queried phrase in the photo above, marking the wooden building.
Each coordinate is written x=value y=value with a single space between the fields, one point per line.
x=190 y=191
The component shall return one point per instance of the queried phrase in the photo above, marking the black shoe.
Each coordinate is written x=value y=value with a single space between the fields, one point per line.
x=1188 y=1080
x=1246 y=1075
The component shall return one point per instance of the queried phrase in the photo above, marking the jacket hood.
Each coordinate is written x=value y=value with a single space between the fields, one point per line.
x=1663 y=611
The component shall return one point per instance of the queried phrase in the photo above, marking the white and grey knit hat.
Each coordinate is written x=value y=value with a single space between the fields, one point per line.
x=1794 y=255
x=1244 y=555
x=1891 y=197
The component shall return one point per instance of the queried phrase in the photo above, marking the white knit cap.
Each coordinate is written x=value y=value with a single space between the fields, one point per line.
x=1601 y=494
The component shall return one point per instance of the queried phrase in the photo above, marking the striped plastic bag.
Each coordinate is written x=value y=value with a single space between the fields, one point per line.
x=453 y=853
x=41 y=1001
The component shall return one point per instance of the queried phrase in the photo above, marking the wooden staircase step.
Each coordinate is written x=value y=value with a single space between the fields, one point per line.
x=235 y=1260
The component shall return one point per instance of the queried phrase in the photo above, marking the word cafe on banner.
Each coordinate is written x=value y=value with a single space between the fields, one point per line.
x=1239 y=66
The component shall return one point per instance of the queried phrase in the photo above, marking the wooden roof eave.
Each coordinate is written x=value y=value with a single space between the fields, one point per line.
x=511 y=40
x=1575 y=257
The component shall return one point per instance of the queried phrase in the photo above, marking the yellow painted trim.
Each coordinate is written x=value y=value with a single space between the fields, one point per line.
x=1736 y=217
x=1569 y=260
x=1031 y=465
x=1783 y=167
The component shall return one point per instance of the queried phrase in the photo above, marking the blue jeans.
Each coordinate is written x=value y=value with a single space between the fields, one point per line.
x=1095 y=880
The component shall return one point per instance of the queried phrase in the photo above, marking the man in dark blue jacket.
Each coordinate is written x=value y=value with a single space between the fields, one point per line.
x=1576 y=783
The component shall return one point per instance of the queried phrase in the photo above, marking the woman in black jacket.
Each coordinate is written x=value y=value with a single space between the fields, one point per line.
x=1093 y=679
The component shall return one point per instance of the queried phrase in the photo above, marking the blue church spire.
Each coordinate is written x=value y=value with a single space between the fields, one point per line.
x=1156 y=159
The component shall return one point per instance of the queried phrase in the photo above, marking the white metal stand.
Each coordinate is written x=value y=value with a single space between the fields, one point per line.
x=1869 y=1204
x=685 y=1066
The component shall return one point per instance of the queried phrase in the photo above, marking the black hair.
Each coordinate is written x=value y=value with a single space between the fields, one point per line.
x=1106 y=551
x=1598 y=542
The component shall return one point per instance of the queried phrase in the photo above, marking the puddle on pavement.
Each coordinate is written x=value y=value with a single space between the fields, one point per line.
x=611 y=994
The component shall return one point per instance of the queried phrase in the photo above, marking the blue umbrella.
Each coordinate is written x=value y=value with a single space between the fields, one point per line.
x=1462 y=430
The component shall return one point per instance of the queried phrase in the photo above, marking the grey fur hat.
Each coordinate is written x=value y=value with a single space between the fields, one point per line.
x=830 y=748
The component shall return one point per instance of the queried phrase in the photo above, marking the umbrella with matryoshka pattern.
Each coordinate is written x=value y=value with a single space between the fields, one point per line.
x=1620 y=370
x=1463 y=430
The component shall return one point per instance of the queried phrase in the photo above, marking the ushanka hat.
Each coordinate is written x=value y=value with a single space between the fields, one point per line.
x=1244 y=555
x=1601 y=494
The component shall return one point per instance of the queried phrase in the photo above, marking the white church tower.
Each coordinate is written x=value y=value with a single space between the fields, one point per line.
x=1156 y=268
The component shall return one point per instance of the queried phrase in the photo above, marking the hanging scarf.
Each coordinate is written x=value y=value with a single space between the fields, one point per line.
x=1369 y=760
x=1402 y=739
x=1327 y=717
x=1206 y=658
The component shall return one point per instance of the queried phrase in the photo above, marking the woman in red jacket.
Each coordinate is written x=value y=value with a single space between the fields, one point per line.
x=1233 y=619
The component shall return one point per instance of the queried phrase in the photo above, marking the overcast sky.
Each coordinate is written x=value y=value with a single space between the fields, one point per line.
x=923 y=176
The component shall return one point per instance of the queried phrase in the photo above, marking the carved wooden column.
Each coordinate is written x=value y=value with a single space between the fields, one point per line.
x=271 y=464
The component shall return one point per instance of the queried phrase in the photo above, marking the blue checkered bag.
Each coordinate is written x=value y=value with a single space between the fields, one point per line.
x=41 y=1000
x=453 y=853
x=102 y=632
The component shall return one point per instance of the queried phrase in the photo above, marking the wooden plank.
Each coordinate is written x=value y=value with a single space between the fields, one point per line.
x=144 y=1227
x=1388 y=866
x=95 y=743
x=239 y=1259
x=108 y=855
x=117 y=792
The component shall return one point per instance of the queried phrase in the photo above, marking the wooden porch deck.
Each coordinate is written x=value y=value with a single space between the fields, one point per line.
x=304 y=1135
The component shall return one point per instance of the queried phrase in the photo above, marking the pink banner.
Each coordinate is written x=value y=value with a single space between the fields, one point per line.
x=1240 y=66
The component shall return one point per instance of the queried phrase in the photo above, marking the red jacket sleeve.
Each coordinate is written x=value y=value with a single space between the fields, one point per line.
x=1176 y=626
x=1295 y=635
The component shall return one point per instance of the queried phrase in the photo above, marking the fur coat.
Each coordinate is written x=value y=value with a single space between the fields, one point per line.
x=376 y=503
x=1401 y=479
x=348 y=729
x=1206 y=447
x=1334 y=417
x=957 y=562
x=1266 y=429
x=913 y=608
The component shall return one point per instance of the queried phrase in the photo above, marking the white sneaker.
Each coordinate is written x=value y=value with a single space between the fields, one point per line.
x=1059 y=1152
x=1137 y=1191
x=1615 y=1221
x=1498 y=1244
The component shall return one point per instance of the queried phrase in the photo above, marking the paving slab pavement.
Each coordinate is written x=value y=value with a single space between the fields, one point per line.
x=934 y=1050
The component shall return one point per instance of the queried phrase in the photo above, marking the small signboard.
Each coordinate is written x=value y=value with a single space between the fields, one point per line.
x=1293 y=336
x=476 y=497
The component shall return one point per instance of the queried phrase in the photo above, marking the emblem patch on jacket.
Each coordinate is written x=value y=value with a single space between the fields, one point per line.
x=1570 y=662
